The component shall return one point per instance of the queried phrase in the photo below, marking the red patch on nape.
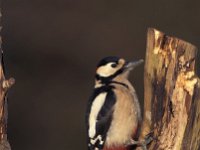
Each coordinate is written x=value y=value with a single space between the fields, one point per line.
x=116 y=148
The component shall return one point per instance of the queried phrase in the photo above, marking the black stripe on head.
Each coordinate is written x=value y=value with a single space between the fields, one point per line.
x=109 y=59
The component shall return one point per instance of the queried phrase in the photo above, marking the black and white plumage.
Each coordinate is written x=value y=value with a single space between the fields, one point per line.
x=113 y=111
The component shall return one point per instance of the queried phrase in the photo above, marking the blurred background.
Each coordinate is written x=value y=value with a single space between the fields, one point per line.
x=52 y=47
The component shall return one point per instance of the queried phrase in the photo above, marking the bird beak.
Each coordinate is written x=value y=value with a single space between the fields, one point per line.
x=132 y=64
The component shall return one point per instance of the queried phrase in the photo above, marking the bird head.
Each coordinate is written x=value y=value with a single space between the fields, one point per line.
x=110 y=68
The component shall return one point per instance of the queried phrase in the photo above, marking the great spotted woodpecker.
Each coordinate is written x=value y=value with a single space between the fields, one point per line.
x=113 y=113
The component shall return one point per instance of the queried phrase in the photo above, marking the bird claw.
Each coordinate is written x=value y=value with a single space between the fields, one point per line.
x=143 y=143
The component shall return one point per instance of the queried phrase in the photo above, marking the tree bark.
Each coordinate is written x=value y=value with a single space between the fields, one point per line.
x=4 y=86
x=171 y=94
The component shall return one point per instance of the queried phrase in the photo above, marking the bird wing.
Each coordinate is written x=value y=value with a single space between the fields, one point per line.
x=103 y=119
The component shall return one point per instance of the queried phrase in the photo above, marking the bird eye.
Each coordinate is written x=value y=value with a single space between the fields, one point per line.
x=114 y=65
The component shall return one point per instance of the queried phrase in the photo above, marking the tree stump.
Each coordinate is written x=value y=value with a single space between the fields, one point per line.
x=4 y=86
x=171 y=94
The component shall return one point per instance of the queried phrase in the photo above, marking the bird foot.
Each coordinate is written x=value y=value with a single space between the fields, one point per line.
x=142 y=143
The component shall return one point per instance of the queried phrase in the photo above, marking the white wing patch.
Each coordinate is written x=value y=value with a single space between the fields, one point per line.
x=99 y=137
x=96 y=107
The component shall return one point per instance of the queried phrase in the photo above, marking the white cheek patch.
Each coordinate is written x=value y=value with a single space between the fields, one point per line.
x=107 y=70
x=96 y=107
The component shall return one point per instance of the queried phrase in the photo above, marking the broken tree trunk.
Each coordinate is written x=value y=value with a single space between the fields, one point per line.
x=4 y=86
x=171 y=94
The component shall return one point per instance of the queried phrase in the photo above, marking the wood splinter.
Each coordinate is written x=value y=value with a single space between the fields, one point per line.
x=6 y=84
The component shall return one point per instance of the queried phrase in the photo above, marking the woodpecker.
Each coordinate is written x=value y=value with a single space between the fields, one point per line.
x=113 y=113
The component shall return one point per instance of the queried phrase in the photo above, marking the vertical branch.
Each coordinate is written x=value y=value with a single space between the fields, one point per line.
x=171 y=98
x=4 y=86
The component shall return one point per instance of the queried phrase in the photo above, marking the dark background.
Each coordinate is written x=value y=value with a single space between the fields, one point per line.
x=52 y=46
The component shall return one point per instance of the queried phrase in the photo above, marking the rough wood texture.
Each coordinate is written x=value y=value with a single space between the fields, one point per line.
x=4 y=86
x=172 y=93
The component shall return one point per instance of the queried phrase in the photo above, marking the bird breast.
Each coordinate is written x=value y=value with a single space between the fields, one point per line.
x=125 y=117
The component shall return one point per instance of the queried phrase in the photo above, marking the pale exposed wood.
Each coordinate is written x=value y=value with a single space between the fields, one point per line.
x=172 y=93
x=4 y=86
